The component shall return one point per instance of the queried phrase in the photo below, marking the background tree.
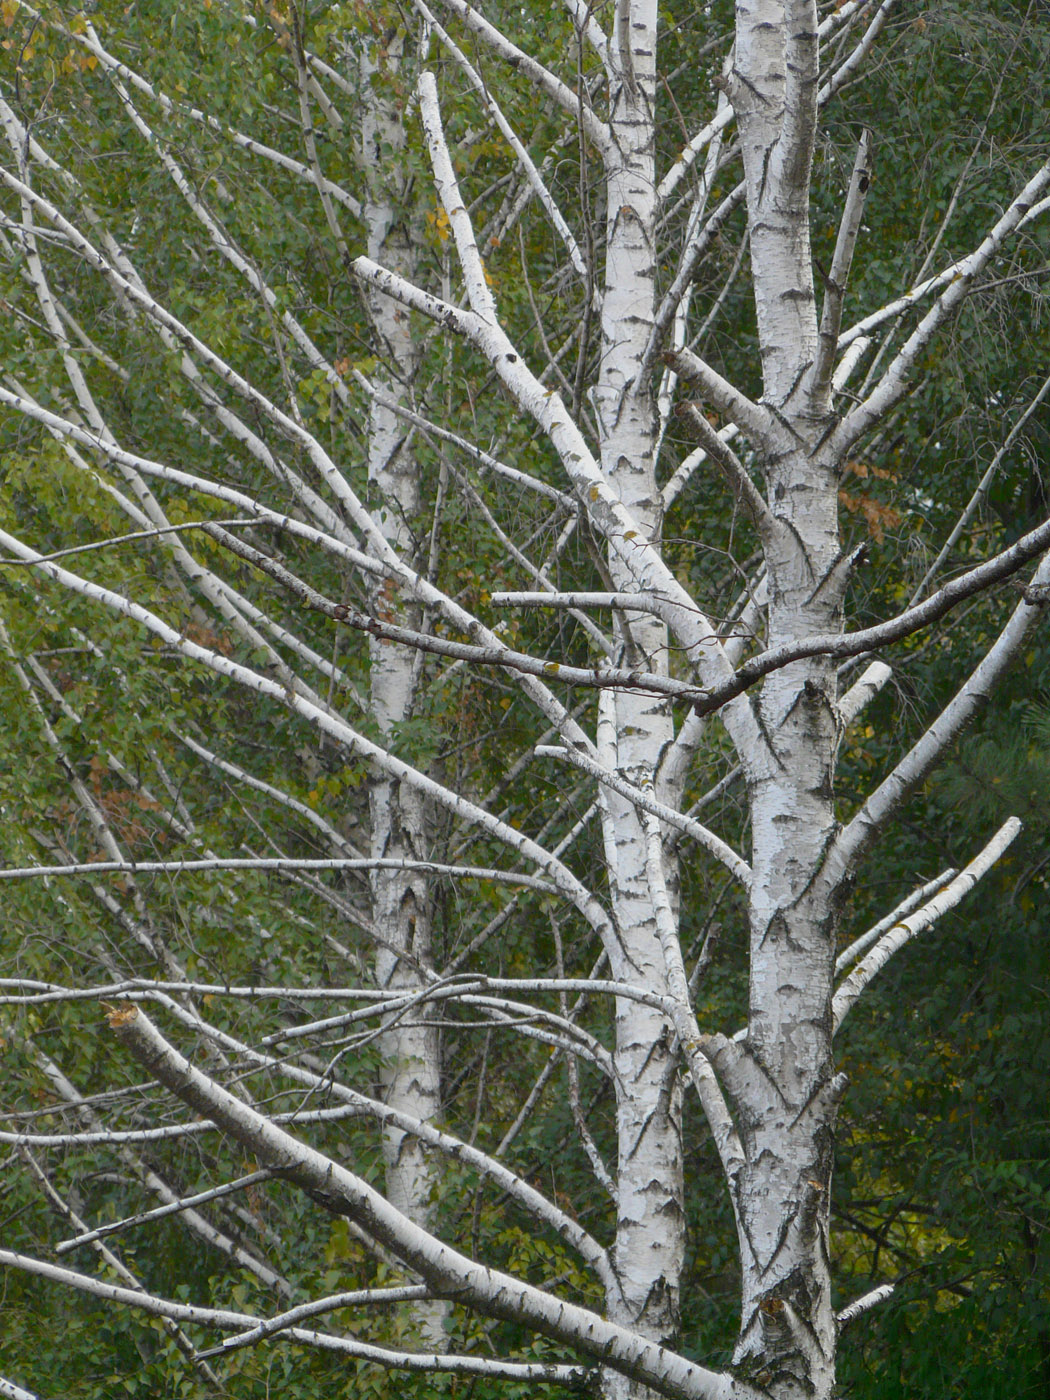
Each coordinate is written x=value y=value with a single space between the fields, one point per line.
x=330 y=500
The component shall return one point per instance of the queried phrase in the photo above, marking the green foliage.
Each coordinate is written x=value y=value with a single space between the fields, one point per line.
x=944 y=1162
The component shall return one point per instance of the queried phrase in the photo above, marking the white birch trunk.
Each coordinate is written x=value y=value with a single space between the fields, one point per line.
x=771 y=1093
x=635 y=729
x=410 y=1078
x=780 y=1079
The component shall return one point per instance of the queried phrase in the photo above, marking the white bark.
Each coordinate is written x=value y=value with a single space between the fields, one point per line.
x=401 y=900
x=10 y=1391
x=226 y=1319
x=911 y=925
x=770 y=1092
x=443 y=1268
x=634 y=730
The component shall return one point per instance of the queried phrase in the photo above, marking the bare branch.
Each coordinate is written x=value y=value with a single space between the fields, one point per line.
x=912 y=925
x=683 y=1018
x=862 y=692
x=493 y=1293
x=429 y=108
x=276 y=863
x=177 y=1207
x=10 y=1391
x=980 y=493
x=865 y=1303
x=752 y=420
x=521 y=62
x=932 y=745
x=835 y=283
x=860 y=945
x=983 y=576
x=736 y=474
x=498 y=655
x=700 y=834
x=572 y=1376
x=893 y=385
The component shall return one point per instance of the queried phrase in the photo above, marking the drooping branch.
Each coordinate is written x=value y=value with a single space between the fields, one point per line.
x=736 y=474
x=227 y=1320
x=444 y=1269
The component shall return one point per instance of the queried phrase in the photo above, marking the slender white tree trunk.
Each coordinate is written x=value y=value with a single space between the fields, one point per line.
x=410 y=1078
x=780 y=1080
x=635 y=729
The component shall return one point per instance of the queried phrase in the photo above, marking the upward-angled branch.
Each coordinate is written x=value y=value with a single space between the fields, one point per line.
x=647 y=802
x=893 y=385
x=928 y=750
x=428 y=94
x=911 y=925
x=835 y=283
x=611 y=518
x=547 y=82
x=844 y=644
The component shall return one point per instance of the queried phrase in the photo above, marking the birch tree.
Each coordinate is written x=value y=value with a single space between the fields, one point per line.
x=431 y=300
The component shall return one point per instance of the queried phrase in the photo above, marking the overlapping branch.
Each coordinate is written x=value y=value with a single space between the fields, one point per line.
x=443 y=1268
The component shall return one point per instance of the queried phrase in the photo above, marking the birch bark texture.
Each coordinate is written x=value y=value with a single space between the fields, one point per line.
x=400 y=552
x=398 y=818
